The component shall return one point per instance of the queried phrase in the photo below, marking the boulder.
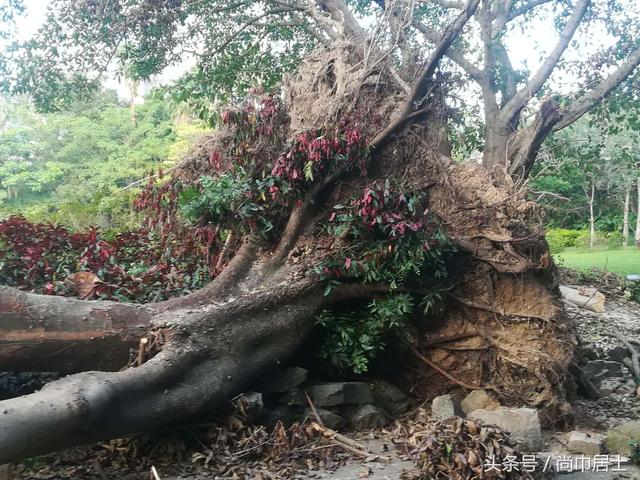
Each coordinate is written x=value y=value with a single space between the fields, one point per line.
x=580 y=442
x=341 y=393
x=522 y=423
x=368 y=416
x=282 y=413
x=284 y=380
x=329 y=419
x=478 y=400
x=598 y=370
x=617 y=354
x=587 y=351
x=442 y=407
x=619 y=438
x=253 y=406
x=390 y=398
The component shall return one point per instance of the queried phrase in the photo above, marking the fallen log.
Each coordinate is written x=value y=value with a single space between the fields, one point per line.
x=54 y=334
x=593 y=301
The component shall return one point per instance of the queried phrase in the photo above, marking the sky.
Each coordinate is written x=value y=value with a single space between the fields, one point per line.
x=525 y=49
x=35 y=14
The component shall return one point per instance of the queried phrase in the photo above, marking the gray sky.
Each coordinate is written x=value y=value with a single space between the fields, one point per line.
x=525 y=48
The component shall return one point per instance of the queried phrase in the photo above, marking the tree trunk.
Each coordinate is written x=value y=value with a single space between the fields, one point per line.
x=46 y=333
x=637 y=233
x=516 y=150
x=592 y=219
x=215 y=350
x=625 y=221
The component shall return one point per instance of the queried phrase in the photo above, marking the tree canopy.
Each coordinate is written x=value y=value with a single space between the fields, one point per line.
x=265 y=39
x=83 y=166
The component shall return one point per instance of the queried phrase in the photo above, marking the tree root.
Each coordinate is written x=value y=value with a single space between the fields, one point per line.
x=635 y=358
x=445 y=374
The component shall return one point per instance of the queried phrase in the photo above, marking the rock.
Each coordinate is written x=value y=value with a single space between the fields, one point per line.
x=442 y=407
x=580 y=442
x=293 y=397
x=281 y=413
x=609 y=385
x=478 y=400
x=522 y=423
x=627 y=388
x=587 y=351
x=617 y=354
x=584 y=298
x=284 y=380
x=341 y=393
x=598 y=370
x=329 y=419
x=253 y=406
x=390 y=398
x=619 y=438
x=368 y=416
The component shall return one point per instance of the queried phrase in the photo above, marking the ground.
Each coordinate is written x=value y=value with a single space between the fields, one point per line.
x=622 y=261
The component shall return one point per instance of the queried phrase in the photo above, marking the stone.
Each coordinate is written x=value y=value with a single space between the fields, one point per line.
x=282 y=413
x=442 y=407
x=587 y=351
x=253 y=406
x=522 y=423
x=609 y=385
x=390 y=398
x=284 y=380
x=598 y=370
x=580 y=442
x=617 y=354
x=293 y=397
x=478 y=400
x=619 y=438
x=629 y=387
x=341 y=393
x=330 y=419
x=368 y=416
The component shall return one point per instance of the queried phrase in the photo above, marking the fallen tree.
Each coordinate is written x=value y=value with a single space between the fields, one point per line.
x=339 y=196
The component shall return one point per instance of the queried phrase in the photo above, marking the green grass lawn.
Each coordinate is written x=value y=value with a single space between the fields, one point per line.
x=623 y=262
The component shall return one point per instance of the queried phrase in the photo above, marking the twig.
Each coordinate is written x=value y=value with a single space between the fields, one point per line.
x=155 y=473
x=635 y=358
x=347 y=443
x=443 y=373
x=313 y=409
x=142 y=348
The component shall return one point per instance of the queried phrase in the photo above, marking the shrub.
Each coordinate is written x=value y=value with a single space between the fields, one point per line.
x=132 y=266
x=561 y=238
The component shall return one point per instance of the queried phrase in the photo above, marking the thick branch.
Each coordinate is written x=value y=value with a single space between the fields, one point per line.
x=341 y=14
x=214 y=353
x=581 y=106
x=456 y=56
x=526 y=8
x=448 y=3
x=48 y=333
x=423 y=82
x=536 y=82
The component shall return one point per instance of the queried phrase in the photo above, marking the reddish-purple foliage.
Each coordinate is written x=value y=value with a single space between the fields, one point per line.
x=133 y=266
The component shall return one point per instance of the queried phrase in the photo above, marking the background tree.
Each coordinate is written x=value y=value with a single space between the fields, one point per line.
x=268 y=38
x=77 y=167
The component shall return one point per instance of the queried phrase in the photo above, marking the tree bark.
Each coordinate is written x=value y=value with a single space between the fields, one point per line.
x=625 y=221
x=637 y=233
x=55 y=334
x=214 y=352
x=592 y=220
